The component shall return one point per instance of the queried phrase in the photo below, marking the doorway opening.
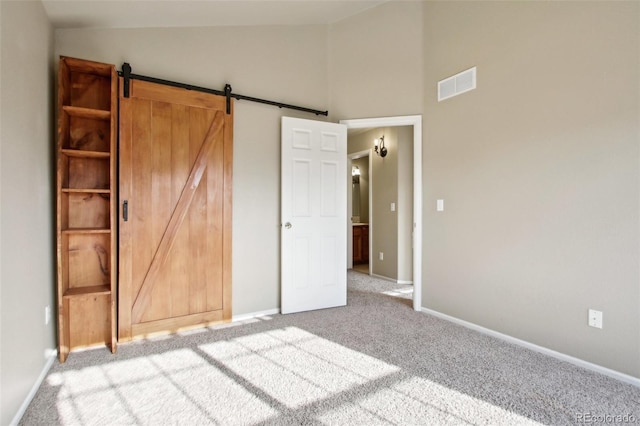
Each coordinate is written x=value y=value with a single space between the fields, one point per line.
x=416 y=122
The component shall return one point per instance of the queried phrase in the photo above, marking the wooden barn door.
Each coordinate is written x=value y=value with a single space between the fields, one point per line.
x=175 y=210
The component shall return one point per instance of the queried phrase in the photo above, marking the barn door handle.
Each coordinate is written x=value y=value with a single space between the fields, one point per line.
x=125 y=210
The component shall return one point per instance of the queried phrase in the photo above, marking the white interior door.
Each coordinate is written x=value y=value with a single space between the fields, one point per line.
x=314 y=215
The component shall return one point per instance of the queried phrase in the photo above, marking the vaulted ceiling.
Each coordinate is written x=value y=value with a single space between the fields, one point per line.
x=199 y=13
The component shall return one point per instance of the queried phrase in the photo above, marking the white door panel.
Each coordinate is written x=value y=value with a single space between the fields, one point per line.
x=314 y=214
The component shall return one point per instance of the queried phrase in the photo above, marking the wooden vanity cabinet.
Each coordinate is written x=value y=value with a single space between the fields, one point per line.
x=360 y=244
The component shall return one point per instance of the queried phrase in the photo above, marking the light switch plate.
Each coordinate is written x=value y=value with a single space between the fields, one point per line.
x=440 y=205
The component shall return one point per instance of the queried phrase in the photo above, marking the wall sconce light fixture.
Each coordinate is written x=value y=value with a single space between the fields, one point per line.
x=355 y=174
x=379 y=143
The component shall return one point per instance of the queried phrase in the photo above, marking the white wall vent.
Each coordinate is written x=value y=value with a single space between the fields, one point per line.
x=457 y=84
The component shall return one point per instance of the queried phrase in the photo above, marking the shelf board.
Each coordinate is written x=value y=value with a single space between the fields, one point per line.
x=86 y=191
x=87 y=231
x=97 y=114
x=84 y=154
x=96 y=290
x=88 y=67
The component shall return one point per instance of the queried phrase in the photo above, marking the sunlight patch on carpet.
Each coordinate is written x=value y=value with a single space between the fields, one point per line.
x=406 y=293
x=260 y=378
x=173 y=386
x=296 y=368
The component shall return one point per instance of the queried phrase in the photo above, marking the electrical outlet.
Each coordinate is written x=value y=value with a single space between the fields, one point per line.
x=381 y=256
x=595 y=318
x=47 y=315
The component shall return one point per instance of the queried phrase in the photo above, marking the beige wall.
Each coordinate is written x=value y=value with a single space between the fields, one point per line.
x=3 y=417
x=375 y=63
x=539 y=170
x=384 y=238
x=405 y=203
x=27 y=245
x=287 y=64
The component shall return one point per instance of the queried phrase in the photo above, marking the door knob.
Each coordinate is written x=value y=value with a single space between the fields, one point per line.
x=288 y=225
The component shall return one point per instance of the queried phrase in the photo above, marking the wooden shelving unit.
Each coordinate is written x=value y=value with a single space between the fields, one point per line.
x=86 y=205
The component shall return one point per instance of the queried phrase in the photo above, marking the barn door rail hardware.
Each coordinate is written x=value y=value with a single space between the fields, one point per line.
x=227 y=92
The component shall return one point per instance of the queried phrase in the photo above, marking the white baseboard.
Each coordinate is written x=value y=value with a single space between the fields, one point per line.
x=244 y=317
x=393 y=280
x=51 y=357
x=382 y=277
x=541 y=349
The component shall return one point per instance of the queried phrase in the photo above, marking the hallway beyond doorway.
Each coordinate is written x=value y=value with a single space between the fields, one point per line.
x=362 y=268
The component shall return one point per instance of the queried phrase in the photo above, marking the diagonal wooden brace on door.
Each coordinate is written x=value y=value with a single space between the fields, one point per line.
x=182 y=207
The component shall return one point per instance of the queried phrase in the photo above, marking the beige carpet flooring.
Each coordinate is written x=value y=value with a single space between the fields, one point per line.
x=374 y=362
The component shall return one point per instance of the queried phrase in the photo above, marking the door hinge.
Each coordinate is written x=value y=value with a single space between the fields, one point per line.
x=125 y=210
